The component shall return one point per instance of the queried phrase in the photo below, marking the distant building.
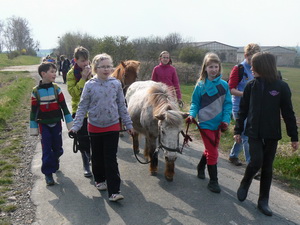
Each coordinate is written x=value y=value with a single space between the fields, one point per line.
x=226 y=53
x=230 y=54
x=284 y=56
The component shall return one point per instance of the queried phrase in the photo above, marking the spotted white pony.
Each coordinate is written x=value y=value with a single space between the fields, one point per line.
x=155 y=114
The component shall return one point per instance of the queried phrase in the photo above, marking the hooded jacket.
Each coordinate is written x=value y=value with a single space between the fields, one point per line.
x=105 y=103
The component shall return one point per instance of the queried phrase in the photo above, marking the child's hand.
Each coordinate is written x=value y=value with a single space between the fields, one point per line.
x=189 y=119
x=223 y=126
x=237 y=138
x=295 y=145
x=86 y=72
x=131 y=131
x=72 y=133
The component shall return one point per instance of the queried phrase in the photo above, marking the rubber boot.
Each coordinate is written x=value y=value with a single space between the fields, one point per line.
x=213 y=184
x=86 y=164
x=264 y=192
x=245 y=183
x=201 y=167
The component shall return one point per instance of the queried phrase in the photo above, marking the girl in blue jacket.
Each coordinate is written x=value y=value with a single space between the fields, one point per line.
x=211 y=102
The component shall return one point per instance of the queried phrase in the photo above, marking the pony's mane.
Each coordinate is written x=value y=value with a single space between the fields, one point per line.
x=162 y=100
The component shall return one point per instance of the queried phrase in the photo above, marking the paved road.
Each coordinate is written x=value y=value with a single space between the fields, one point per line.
x=151 y=199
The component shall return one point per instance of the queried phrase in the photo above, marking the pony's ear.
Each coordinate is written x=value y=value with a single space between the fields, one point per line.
x=160 y=117
x=184 y=115
x=123 y=64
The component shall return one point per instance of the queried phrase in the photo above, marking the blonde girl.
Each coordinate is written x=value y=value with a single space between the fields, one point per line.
x=211 y=102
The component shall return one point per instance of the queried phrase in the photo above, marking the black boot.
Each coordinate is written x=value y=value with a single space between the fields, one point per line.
x=213 y=184
x=242 y=191
x=86 y=164
x=201 y=167
x=263 y=206
x=264 y=192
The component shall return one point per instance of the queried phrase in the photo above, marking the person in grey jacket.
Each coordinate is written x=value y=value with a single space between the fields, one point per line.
x=103 y=99
x=265 y=99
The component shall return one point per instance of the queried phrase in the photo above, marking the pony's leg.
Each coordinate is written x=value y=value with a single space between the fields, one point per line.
x=135 y=139
x=152 y=155
x=169 y=171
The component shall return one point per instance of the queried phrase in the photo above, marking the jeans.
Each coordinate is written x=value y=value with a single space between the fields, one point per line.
x=51 y=146
x=237 y=147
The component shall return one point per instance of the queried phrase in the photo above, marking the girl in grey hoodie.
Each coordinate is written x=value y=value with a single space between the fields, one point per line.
x=103 y=99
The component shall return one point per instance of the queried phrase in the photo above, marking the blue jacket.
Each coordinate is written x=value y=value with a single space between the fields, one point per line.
x=211 y=101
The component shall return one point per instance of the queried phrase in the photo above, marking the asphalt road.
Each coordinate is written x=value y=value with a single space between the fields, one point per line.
x=151 y=199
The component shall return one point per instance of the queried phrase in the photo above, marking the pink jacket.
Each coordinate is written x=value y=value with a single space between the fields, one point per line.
x=167 y=74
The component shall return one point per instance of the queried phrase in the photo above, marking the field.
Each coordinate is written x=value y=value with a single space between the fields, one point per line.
x=287 y=162
x=20 y=60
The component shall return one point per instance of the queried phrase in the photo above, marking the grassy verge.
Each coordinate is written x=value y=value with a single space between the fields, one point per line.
x=20 y=60
x=287 y=162
x=15 y=93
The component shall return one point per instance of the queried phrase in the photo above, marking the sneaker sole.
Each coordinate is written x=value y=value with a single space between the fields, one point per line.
x=116 y=199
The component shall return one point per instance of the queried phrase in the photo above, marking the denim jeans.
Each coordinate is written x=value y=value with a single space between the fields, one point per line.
x=237 y=147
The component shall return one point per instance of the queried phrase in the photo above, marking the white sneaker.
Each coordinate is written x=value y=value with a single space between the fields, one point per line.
x=116 y=197
x=101 y=186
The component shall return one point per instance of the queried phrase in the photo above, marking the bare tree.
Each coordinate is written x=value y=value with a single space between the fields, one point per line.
x=17 y=36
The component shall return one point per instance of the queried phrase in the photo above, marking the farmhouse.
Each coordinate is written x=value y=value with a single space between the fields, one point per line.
x=226 y=53
x=284 y=56
x=230 y=54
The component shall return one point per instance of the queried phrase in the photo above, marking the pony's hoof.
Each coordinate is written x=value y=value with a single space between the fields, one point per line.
x=170 y=179
x=153 y=173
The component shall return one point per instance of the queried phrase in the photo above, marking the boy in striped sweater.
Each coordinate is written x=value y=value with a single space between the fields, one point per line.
x=48 y=107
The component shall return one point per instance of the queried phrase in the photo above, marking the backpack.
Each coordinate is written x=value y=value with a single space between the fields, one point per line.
x=241 y=72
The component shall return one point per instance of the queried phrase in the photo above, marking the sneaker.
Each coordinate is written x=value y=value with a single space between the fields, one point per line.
x=49 y=179
x=235 y=161
x=116 y=197
x=101 y=186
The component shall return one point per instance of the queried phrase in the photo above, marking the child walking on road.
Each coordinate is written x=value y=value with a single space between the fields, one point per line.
x=265 y=99
x=103 y=99
x=77 y=76
x=48 y=107
x=211 y=102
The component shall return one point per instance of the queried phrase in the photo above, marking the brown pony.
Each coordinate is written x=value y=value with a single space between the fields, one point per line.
x=126 y=72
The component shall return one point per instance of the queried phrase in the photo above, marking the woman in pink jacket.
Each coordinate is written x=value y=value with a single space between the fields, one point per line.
x=166 y=73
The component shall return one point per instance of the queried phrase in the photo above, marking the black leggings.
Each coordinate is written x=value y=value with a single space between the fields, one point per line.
x=104 y=160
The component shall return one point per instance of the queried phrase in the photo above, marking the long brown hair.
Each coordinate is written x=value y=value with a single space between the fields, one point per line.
x=264 y=64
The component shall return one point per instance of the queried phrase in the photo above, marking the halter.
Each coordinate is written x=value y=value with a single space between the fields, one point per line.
x=163 y=147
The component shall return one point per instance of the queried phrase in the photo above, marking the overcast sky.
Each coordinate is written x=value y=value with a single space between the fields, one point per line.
x=233 y=22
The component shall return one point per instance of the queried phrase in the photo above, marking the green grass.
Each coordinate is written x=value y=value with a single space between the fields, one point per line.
x=15 y=93
x=287 y=162
x=18 y=61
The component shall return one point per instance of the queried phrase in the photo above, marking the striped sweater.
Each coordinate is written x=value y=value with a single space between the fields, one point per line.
x=49 y=109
